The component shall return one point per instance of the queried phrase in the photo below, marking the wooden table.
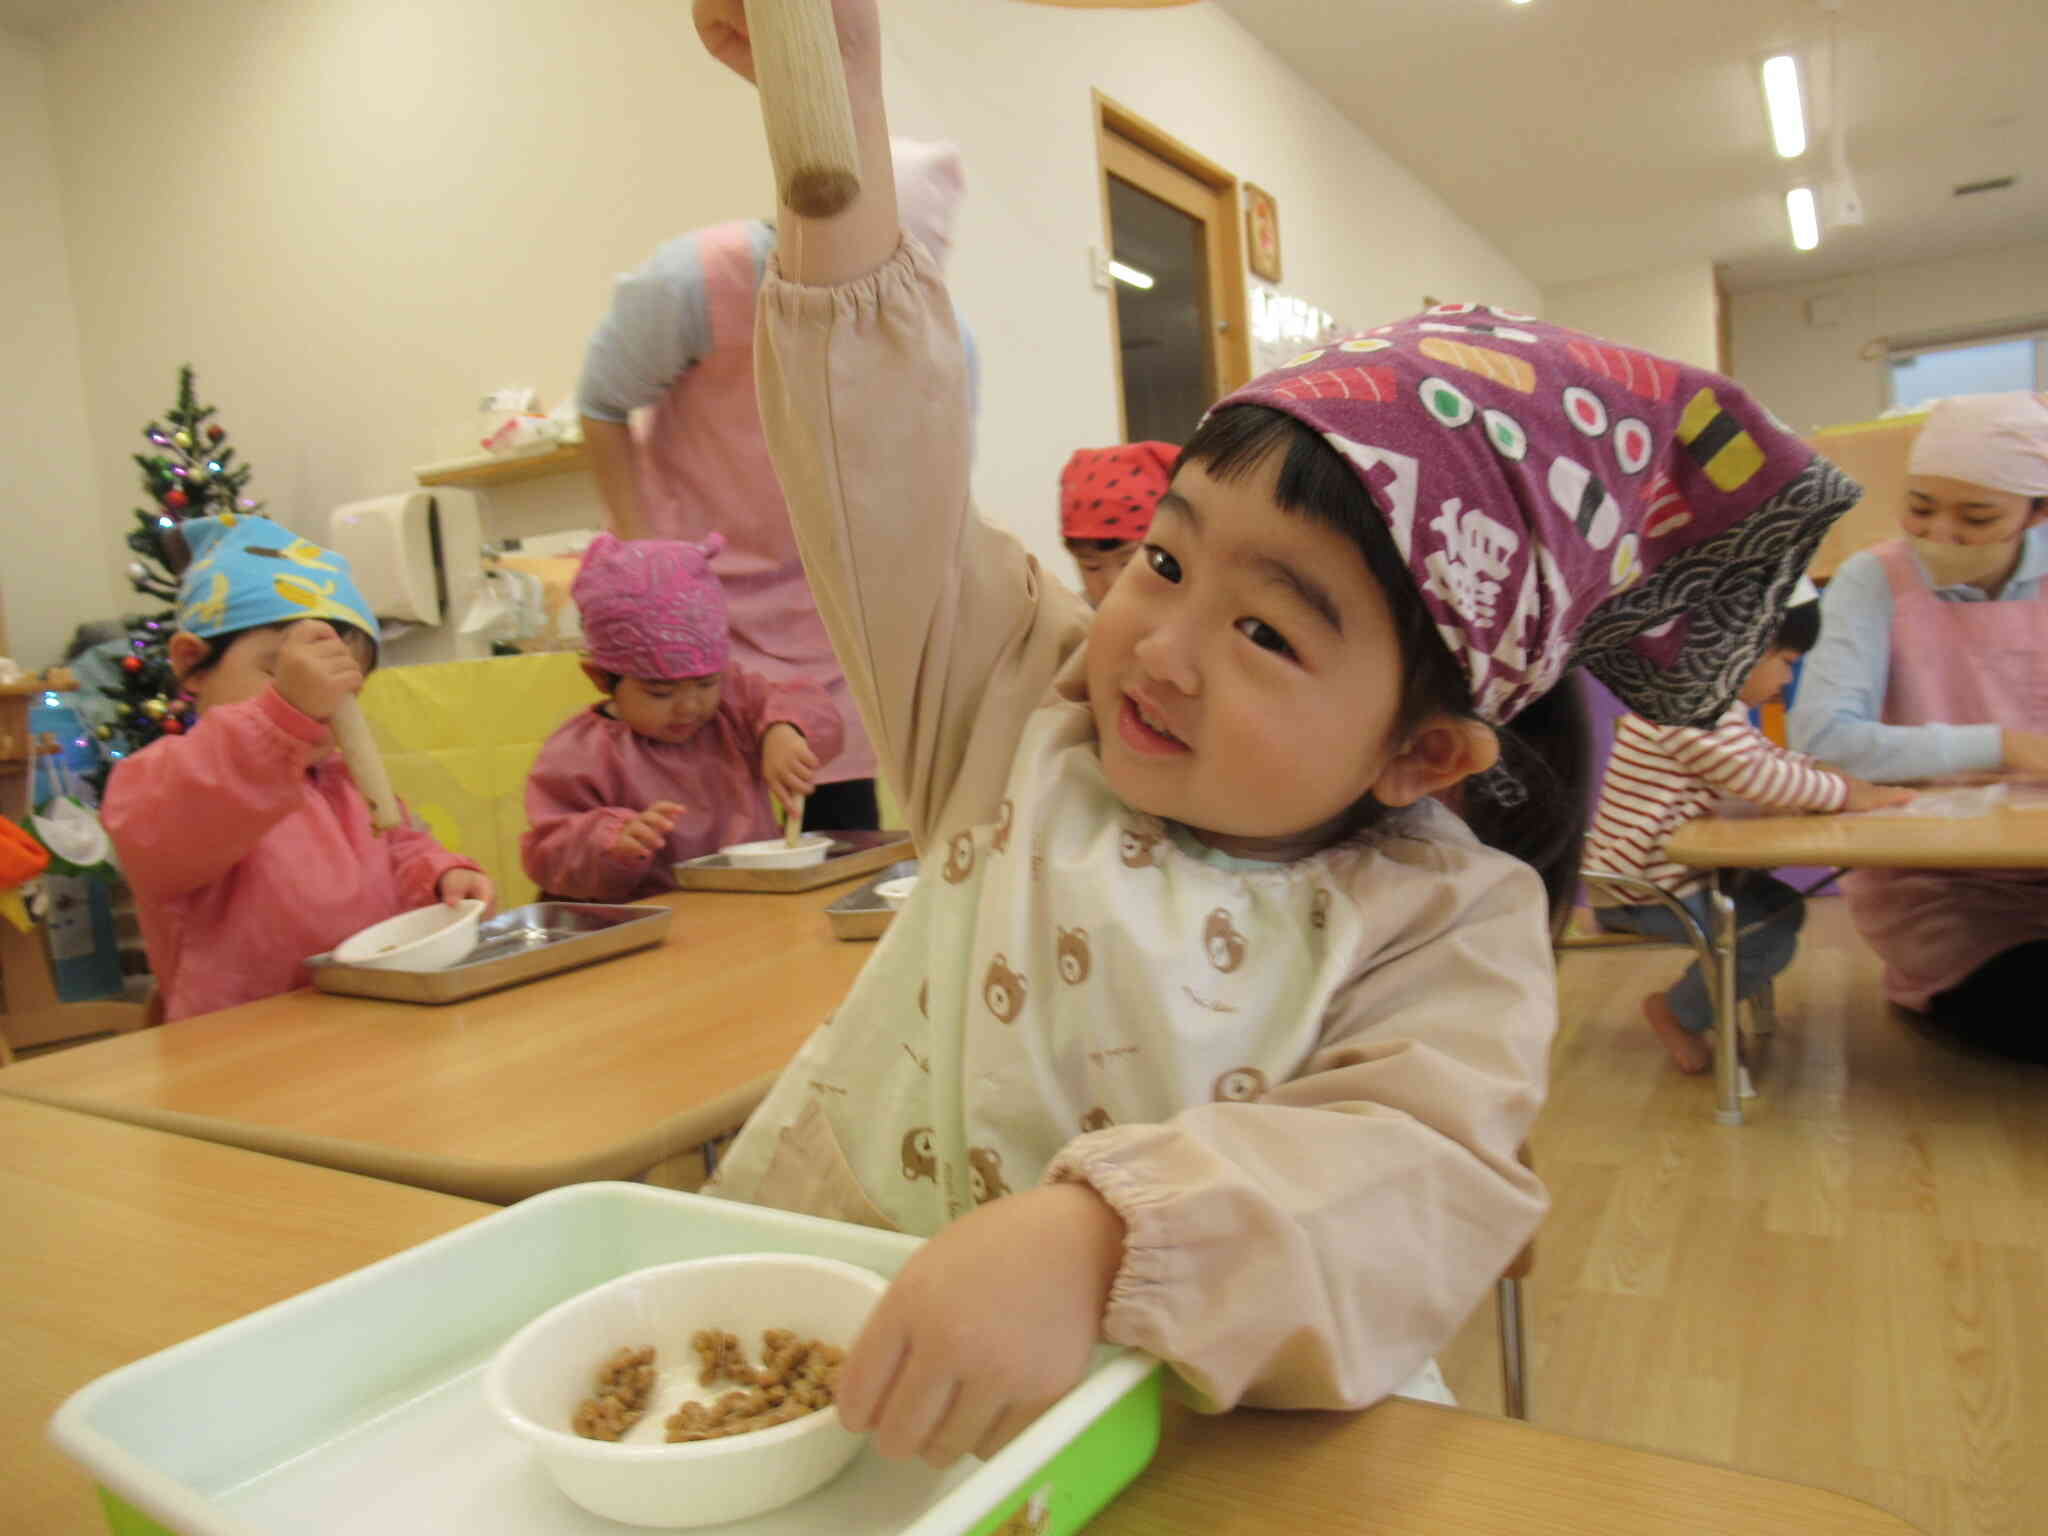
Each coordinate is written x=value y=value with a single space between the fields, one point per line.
x=123 y=1241
x=120 y=1242
x=2007 y=838
x=598 y=1073
x=1415 y=1469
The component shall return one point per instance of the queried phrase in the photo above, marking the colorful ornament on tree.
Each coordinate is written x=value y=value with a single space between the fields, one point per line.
x=174 y=726
x=176 y=500
x=156 y=709
x=131 y=663
x=182 y=438
x=214 y=433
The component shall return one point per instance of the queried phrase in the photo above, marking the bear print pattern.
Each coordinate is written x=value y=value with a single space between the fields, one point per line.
x=1003 y=990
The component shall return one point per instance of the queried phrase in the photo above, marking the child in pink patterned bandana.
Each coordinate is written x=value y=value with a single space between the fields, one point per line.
x=1210 y=1029
x=679 y=758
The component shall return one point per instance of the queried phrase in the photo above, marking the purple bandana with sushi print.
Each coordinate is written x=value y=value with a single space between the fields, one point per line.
x=1566 y=502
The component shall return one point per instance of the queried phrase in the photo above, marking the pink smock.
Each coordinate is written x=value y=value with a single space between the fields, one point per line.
x=596 y=773
x=1934 y=927
x=248 y=850
x=702 y=465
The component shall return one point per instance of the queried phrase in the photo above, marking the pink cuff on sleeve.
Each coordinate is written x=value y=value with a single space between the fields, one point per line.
x=291 y=719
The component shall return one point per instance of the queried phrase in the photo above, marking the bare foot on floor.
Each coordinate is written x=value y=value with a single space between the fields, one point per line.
x=1687 y=1049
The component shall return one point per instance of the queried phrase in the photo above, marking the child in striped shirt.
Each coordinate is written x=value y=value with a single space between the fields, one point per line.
x=1661 y=777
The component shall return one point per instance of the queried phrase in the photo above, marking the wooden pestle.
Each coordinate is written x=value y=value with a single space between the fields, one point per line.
x=804 y=104
x=365 y=764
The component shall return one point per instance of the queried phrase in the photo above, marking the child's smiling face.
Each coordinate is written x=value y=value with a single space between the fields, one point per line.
x=1244 y=673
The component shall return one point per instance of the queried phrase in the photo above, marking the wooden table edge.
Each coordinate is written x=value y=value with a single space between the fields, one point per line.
x=495 y=1183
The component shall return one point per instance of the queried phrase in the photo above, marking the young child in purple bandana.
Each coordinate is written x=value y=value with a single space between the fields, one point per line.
x=1210 y=1028
x=682 y=753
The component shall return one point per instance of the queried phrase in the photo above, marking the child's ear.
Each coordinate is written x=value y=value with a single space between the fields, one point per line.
x=1442 y=750
x=600 y=679
x=187 y=653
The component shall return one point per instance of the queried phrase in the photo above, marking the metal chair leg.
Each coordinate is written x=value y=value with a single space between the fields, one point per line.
x=1727 y=1043
x=1507 y=1296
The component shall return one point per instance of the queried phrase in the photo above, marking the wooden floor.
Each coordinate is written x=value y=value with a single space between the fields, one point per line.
x=1851 y=1290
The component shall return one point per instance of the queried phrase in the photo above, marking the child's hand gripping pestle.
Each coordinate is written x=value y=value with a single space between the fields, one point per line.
x=365 y=763
x=804 y=104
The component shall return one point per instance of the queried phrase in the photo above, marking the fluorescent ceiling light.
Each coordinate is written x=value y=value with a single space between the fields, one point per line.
x=1805 y=220
x=1131 y=275
x=1781 y=98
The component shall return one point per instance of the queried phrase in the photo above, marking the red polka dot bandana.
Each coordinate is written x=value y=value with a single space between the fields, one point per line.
x=1562 y=501
x=1109 y=493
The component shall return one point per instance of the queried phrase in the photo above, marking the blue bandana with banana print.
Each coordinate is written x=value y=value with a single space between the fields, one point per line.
x=248 y=571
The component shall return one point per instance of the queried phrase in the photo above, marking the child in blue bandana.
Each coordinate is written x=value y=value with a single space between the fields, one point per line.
x=247 y=844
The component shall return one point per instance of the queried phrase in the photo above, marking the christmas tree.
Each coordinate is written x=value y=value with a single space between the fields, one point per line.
x=190 y=472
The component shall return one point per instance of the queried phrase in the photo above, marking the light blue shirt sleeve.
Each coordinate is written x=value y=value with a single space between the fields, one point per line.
x=660 y=324
x=1838 y=713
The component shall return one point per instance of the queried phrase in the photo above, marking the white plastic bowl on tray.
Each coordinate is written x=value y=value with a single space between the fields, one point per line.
x=424 y=939
x=537 y=1380
x=897 y=892
x=777 y=854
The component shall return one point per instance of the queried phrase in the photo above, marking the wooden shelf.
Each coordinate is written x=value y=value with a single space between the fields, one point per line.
x=506 y=468
x=56 y=680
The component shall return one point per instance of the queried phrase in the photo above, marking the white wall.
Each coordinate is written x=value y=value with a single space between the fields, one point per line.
x=1815 y=376
x=354 y=216
x=58 y=546
x=1670 y=311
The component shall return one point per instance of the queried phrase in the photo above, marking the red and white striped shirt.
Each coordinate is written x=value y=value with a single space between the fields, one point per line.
x=1660 y=777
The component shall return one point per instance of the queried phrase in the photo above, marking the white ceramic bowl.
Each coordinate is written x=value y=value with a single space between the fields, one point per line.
x=898 y=891
x=776 y=854
x=538 y=1378
x=424 y=939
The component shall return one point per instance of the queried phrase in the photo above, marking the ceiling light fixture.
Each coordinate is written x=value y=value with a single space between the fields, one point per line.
x=1130 y=275
x=1799 y=208
x=1781 y=100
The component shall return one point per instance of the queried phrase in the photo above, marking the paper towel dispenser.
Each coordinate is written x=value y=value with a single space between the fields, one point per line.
x=415 y=556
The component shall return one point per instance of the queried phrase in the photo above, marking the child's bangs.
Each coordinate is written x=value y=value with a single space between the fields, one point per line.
x=1315 y=482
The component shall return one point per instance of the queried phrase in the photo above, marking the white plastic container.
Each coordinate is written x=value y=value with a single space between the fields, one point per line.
x=774 y=853
x=898 y=891
x=424 y=939
x=357 y=1408
x=537 y=1380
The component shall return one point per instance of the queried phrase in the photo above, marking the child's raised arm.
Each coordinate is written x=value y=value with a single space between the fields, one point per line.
x=948 y=632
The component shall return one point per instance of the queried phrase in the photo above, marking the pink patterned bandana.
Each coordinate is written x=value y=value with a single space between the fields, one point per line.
x=1562 y=502
x=652 y=608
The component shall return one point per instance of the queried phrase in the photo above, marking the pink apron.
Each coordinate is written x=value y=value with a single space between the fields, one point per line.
x=703 y=464
x=1933 y=927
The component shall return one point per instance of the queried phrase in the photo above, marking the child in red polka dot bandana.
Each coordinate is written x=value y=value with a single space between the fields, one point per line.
x=1106 y=501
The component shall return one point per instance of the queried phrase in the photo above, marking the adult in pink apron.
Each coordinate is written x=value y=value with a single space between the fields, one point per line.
x=700 y=462
x=1968 y=946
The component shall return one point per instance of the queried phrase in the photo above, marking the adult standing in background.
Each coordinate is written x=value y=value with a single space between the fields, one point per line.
x=678 y=345
x=1933 y=659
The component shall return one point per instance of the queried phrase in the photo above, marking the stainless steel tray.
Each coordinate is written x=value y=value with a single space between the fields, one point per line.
x=851 y=853
x=518 y=945
x=862 y=914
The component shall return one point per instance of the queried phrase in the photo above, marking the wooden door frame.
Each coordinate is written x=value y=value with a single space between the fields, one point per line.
x=1188 y=176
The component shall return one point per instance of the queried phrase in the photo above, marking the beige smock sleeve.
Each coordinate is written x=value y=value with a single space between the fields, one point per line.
x=947 y=629
x=1314 y=1248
